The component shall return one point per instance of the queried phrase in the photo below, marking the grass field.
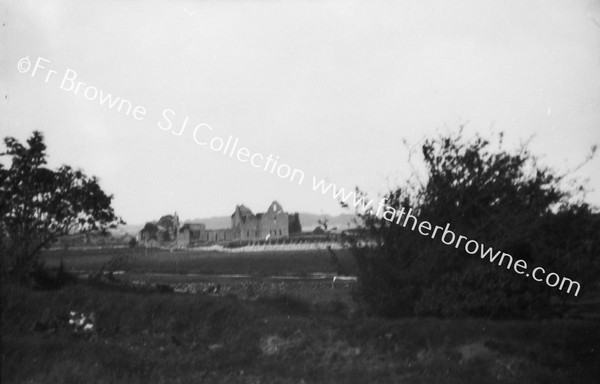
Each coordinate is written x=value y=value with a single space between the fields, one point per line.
x=263 y=330
x=149 y=337
x=204 y=262
x=195 y=270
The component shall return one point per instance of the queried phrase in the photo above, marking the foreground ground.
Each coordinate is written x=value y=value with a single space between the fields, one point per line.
x=142 y=336
x=304 y=274
x=205 y=262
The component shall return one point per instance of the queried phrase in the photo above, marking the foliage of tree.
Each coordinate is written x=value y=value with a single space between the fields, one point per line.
x=319 y=231
x=499 y=198
x=150 y=231
x=323 y=223
x=294 y=225
x=132 y=242
x=38 y=205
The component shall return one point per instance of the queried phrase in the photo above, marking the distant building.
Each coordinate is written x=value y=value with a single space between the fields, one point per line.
x=245 y=226
x=164 y=230
x=273 y=224
x=191 y=233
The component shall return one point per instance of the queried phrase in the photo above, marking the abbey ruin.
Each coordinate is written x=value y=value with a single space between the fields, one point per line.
x=246 y=226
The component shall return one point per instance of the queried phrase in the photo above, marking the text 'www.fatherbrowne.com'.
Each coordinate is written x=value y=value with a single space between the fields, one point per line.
x=472 y=247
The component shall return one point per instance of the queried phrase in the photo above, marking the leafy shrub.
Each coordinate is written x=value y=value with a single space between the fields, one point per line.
x=38 y=205
x=501 y=199
x=44 y=279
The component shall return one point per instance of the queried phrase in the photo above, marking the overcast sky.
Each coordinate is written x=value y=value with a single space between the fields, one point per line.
x=330 y=87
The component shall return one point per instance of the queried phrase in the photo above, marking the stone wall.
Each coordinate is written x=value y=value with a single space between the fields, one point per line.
x=272 y=224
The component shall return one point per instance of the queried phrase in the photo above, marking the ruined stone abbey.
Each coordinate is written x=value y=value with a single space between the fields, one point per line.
x=245 y=226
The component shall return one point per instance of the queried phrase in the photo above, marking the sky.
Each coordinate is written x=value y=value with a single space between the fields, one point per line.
x=329 y=89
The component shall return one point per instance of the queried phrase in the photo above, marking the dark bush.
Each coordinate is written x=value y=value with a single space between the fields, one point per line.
x=501 y=199
x=45 y=279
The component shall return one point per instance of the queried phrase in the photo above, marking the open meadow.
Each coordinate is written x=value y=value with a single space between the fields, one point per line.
x=202 y=261
x=263 y=328
x=144 y=336
x=307 y=275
